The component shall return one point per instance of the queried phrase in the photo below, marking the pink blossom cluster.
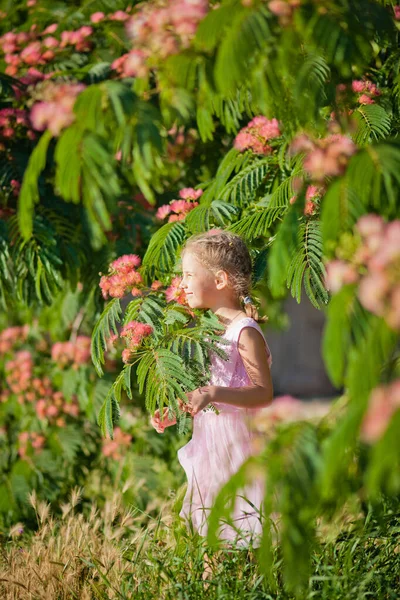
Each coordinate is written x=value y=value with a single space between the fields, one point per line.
x=113 y=448
x=122 y=277
x=48 y=403
x=27 y=439
x=72 y=353
x=174 y=293
x=159 y=30
x=118 y=15
x=25 y=49
x=255 y=135
x=396 y=10
x=178 y=209
x=326 y=157
x=16 y=187
x=13 y=119
x=55 y=110
x=134 y=333
x=384 y=402
x=375 y=266
x=367 y=89
x=284 y=409
x=164 y=28
x=19 y=372
x=55 y=408
x=283 y=9
x=131 y=64
x=32 y=48
x=12 y=336
x=313 y=193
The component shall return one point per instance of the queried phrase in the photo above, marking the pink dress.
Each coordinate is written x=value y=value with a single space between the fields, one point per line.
x=220 y=444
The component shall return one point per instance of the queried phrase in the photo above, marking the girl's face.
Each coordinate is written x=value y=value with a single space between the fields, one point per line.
x=199 y=283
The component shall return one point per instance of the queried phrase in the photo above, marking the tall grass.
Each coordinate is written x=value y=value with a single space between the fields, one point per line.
x=111 y=555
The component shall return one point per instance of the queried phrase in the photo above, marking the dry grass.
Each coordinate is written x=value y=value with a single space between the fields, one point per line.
x=75 y=557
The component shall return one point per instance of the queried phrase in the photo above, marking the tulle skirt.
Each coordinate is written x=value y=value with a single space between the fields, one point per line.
x=220 y=444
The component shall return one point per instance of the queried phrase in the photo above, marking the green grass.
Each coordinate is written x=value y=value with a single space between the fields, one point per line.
x=113 y=555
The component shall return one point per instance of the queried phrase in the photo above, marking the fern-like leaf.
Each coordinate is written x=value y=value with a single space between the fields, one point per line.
x=162 y=251
x=307 y=267
x=29 y=194
x=374 y=123
x=246 y=183
x=106 y=324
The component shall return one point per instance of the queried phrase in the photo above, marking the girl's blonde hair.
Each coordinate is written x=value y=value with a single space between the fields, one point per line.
x=218 y=249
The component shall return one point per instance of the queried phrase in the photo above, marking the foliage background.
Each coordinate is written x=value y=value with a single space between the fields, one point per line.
x=83 y=175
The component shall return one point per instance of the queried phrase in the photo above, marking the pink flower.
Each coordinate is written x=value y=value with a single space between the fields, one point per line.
x=37 y=441
x=31 y=54
x=280 y=8
x=312 y=191
x=156 y=285
x=383 y=403
x=243 y=141
x=41 y=408
x=112 y=448
x=358 y=86
x=301 y=143
x=255 y=135
x=364 y=99
x=126 y=262
x=396 y=10
x=135 y=332
x=310 y=208
x=126 y=355
x=174 y=292
x=339 y=273
x=181 y=206
x=135 y=64
x=97 y=17
x=51 y=411
x=190 y=194
x=56 y=111
x=50 y=42
x=163 y=211
x=318 y=165
x=51 y=28
x=119 y=15
x=266 y=129
x=372 y=291
x=370 y=225
x=82 y=350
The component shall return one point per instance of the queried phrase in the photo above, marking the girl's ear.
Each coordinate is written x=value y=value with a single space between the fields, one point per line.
x=221 y=279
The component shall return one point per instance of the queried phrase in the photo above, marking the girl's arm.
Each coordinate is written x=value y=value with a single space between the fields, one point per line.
x=252 y=349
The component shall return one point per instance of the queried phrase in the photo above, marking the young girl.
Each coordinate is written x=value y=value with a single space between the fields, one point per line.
x=217 y=270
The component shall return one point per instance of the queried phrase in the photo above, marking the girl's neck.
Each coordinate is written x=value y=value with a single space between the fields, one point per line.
x=229 y=314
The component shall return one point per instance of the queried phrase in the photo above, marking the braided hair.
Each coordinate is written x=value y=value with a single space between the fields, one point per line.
x=219 y=249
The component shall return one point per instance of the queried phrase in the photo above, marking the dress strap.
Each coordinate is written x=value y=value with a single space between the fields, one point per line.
x=249 y=322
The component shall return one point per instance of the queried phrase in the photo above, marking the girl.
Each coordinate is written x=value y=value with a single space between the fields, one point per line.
x=217 y=270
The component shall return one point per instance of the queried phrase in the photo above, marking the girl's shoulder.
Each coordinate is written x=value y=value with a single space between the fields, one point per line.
x=243 y=324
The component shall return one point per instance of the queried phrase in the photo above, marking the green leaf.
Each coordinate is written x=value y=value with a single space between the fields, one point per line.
x=106 y=324
x=163 y=249
x=337 y=334
x=29 y=194
x=374 y=123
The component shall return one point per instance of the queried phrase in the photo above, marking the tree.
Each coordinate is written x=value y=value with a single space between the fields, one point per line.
x=296 y=104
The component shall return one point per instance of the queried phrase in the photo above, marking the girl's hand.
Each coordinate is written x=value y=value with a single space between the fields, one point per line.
x=159 y=425
x=199 y=399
